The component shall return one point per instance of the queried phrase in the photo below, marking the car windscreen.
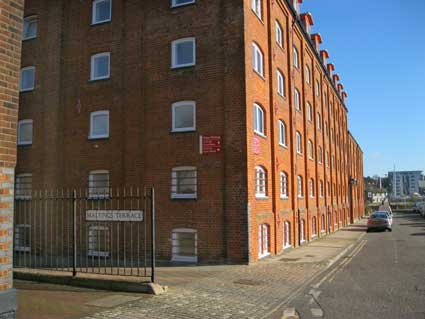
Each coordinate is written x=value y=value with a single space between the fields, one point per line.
x=380 y=215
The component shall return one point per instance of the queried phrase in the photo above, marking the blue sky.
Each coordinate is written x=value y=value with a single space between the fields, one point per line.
x=378 y=48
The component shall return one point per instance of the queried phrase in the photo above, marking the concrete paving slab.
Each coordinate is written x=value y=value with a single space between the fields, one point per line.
x=111 y=301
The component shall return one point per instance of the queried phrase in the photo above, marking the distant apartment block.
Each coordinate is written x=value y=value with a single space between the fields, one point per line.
x=405 y=183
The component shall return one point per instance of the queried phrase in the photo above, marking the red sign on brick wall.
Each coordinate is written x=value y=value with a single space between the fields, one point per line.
x=210 y=144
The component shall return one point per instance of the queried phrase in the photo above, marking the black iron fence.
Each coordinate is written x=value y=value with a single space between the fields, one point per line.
x=85 y=231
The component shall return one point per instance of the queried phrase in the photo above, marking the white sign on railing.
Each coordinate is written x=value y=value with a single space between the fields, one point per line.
x=114 y=215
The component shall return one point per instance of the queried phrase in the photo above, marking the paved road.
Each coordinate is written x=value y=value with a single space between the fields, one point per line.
x=382 y=277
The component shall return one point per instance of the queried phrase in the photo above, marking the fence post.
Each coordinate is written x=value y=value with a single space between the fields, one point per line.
x=153 y=234
x=74 y=233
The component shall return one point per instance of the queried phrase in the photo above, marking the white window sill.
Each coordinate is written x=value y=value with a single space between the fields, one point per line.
x=261 y=256
x=299 y=153
x=93 y=253
x=29 y=38
x=22 y=249
x=260 y=134
x=300 y=197
x=178 y=66
x=23 y=197
x=287 y=247
x=185 y=259
x=24 y=143
x=97 y=137
x=182 y=4
x=283 y=145
x=260 y=75
x=182 y=130
x=284 y=197
x=183 y=196
x=26 y=90
x=314 y=236
x=100 y=22
x=100 y=196
x=256 y=14
x=261 y=196
x=302 y=241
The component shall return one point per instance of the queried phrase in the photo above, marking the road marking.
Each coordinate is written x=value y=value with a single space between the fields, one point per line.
x=317 y=312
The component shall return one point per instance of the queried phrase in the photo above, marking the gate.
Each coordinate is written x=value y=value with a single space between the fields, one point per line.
x=86 y=231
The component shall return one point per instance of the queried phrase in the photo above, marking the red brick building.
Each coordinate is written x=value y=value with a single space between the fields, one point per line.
x=118 y=93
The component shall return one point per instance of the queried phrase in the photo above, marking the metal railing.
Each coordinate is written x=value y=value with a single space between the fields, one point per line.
x=75 y=231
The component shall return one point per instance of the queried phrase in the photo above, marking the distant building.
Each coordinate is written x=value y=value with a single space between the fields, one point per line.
x=377 y=196
x=405 y=183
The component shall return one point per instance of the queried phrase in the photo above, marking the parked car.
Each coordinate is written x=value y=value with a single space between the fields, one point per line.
x=387 y=208
x=422 y=209
x=417 y=207
x=379 y=221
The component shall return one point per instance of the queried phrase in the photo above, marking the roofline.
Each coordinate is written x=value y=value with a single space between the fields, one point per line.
x=309 y=40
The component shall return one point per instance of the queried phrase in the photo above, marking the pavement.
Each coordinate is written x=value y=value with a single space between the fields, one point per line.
x=261 y=290
x=382 y=277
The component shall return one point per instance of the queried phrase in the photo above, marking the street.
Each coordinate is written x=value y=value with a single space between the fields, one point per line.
x=382 y=277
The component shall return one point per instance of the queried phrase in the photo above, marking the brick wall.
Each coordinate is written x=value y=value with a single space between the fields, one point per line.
x=11 y=12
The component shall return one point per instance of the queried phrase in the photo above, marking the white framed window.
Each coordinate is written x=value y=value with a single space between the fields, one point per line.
x=319 y=155
x=99 y=125
x=102 y=11
x=282 y=133
x=317 y=88
x=260 y=182
x=279 y=34
x=30 y=28
x=22 y=238
x=100 y=66
x=314 y=226
x=310 y=149
x=300 y=186
x=312 y=192
x=99 y=184
x=319 y=121
x=183 y=53
x=25 y=131
x=283 y=185
x=27 y=79
x=307 y=74
x=23 y=186
x=257 y=8
x=297 y=100
x=184 y=182
x=328 y=189
x=259 y=120
x=257 y=59
x=309 y=112
x=325 y=98
x=302 y=230
x=287 y=242
x=321 y=189
x=98 y=241
x=295 y=57
x=178 y=3
x=323 y=223
x=280 y=83
x=327 y=159
x=263 y=240
x=326 y=128
x=184 y=245
x=184 y=116
x=298 y=140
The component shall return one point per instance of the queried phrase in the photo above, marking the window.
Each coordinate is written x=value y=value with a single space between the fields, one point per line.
x=295 y=57
x=320 y=155
x=23 y=238
x=184 y=182
x=27 y=80
x=328 y=190
x=282 y=133
x=299 y=143
x=183 y=53
x=263 y=240
x=310 y=149
x=102 y=11
x=327 y=158
x=326 y=128
x=258 y=120
x=257 y=59
x=312 y=192
x=307 y=74
x=25 y=132
x=314 y=226
x=184 y=116
x=319 y=122
x=99 y=184
x=321 y=189
x=317 y=88
x=280 y=83
x=323 y=223
x=23 y=186
x=297 y=100
x=283 y=185
x=309 y=112
x=302 y=230
x=260 y=182
x=100 y=65
x=257 y=8
x=300 y=186
x=30 y=28
x=184 y=245
x=178 y=3
x=99 y=125
x=286 y=234
x=325 y=98
x=99 y=241
x=279 y=34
